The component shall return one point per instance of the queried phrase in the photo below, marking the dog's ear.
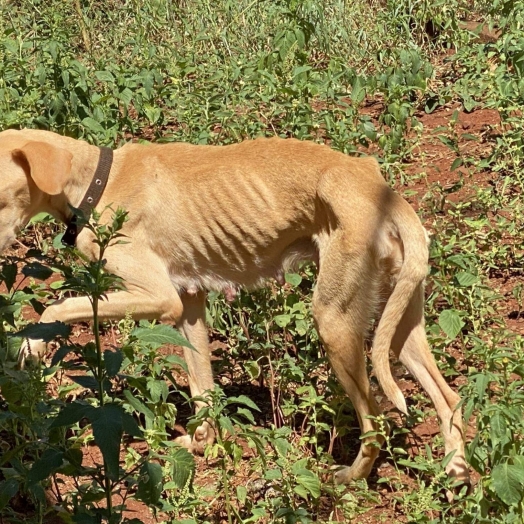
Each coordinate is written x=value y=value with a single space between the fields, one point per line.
x=49 y=166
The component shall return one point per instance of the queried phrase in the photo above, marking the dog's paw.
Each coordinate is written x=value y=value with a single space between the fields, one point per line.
x=345 y=474
x=341 y=474
x=31 y=352
x=187 y=442
x=204 y=435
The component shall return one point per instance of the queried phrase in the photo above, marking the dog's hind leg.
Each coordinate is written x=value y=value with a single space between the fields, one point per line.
x=193 y=326
x=411 y=347
x=342 y=309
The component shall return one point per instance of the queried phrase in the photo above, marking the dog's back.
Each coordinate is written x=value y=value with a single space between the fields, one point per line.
x=240 y=214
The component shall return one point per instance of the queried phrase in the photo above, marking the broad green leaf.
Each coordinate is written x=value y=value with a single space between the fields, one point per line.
x=508 y=482
x=138 y=405
x=71 y=414
x=8 y=275
x=301 y=69
x=469 y=103
x=130 y=426
x=481 y=381
x=60 y=354
x=45 y=331
x=160 y=334
x=301 y=327
x=293 y=278
x=74 y=456
x=85 y=381
x=148 y=81
x=225 y=423
x=242 y=399
x=108 y=428
x=456 y=164
x=369 y=130
x=37 y=492
x=85 y=518
x=458 y=260
x=301 y=42
x=126 y=95
x=8 y=489
x=518 y=460
x=242 y=494
x=273 y=474
x=282 y=446
x=105 y=76
x=499 y=428
x=113 y=361
x=412 y=464
x=45 y=466
x=183 y=467
x=282 y=320
x=158 y=389
x=358 y=91
x=246 y=414
x=153 y=113
x=310 y=482
x=177 y=361
x=466 y=279
x=40 y=217
x=93 y=125
x=149 y=483
x=302 y=492
x=252 y=368
x=450 y=322
x=57 y=284
x=299 y=466
x=90 y=497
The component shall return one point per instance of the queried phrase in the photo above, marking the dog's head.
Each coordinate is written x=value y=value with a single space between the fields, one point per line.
x=32 y=170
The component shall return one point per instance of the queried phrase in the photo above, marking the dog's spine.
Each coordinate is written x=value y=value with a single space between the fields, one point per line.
x=411 y=275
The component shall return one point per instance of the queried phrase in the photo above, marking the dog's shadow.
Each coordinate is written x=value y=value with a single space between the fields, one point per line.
x=260 y=395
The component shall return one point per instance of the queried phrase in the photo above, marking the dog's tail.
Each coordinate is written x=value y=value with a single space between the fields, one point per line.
x=412 y=273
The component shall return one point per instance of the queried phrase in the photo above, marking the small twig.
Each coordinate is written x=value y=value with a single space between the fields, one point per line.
x=332 y=438
x=23 y=246
x=59 y=498
x=243 y=325
x=83 y=27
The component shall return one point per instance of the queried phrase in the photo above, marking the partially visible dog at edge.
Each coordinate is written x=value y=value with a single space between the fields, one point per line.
x=226 y=217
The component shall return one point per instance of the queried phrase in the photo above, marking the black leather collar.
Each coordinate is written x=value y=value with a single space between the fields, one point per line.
x=92 y=196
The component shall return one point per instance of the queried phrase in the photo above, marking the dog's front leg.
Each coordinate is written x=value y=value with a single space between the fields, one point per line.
x=139 y=302
x=193 y=326
x=188 y=313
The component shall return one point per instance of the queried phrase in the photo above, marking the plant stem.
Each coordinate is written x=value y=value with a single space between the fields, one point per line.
x=83 y=27
x=100 y=378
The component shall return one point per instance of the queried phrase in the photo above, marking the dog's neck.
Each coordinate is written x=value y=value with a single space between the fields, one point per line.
x=83 y=168
x=91 y=197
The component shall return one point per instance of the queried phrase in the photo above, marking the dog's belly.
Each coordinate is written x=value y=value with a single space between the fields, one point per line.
x=226 y=270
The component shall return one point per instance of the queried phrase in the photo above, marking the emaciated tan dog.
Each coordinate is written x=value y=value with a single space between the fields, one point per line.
x=221 y=218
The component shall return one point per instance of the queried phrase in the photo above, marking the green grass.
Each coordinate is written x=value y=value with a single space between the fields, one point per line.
x=363 y=77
